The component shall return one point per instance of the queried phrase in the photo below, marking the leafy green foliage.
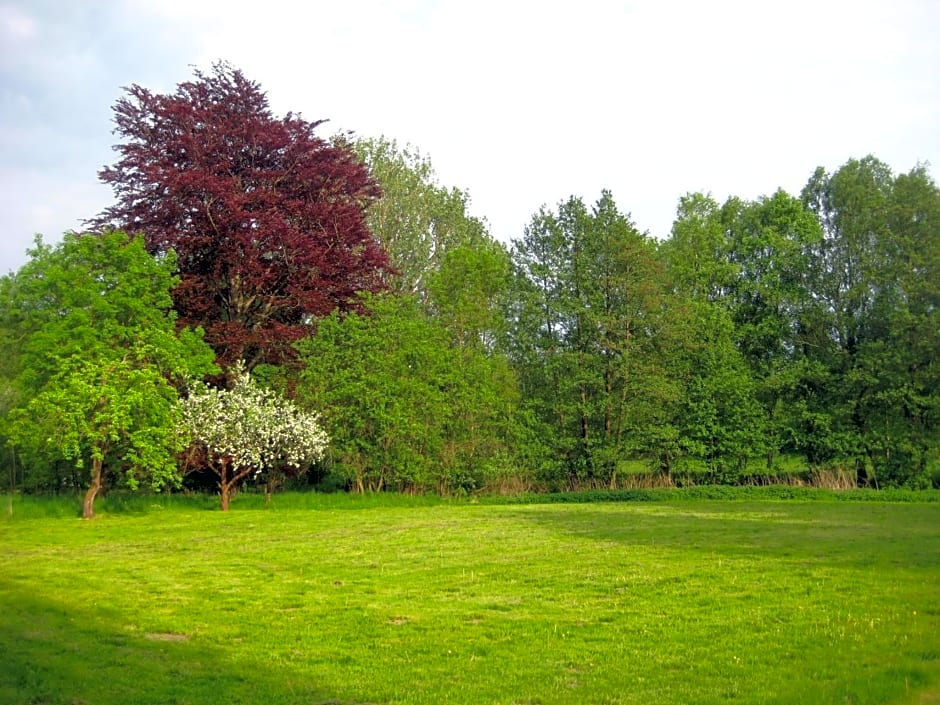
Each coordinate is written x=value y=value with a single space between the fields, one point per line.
x=776 y=338
x=417 y=220
x=737 y=269
x=874 y=325
x=587 y=320
x=122 y=410
x=414 y=390
x=96 y=354
x=404 y=407
x=468 y=291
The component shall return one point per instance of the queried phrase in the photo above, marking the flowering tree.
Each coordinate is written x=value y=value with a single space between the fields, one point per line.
x=245 y=429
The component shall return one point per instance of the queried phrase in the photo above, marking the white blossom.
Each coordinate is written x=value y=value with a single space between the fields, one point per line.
x=251 y=427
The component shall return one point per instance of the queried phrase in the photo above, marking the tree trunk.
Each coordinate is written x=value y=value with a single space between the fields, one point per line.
x=584 y=416
x=270 y=486
x=88 y=506
x=225 y=485
x=609 y=391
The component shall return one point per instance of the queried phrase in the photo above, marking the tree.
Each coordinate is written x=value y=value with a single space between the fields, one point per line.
x=97 y=353
x=405 y=407
x=467 y=293
x=915 y=332
x=717 y=419
x=246 y=429
x=415 y=394
x=268 y=221
x=586 y=314
x=698 y=250
x=770 y=243
x=874 y=324
x=120 y=411
x=417 y=220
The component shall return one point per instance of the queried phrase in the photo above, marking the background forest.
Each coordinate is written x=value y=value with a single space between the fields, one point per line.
x=345 y=291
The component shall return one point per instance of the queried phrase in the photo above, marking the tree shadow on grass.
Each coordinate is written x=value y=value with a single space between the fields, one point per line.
x=848 y=536
x=55 y=654
x=838 y=547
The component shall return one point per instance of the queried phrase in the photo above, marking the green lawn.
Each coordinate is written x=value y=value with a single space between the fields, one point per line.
x=673 y=602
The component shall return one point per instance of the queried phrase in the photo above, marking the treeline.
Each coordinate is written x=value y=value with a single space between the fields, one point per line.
x=793 y=336
x=758 y=334
x=786 y=338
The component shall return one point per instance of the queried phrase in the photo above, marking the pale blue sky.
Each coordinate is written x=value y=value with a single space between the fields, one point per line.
x=521 y=103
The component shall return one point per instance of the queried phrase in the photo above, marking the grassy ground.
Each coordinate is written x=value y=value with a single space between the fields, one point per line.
x=699 y=601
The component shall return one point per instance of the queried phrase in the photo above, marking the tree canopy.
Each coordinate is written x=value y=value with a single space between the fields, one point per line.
x=268 y=221
x=418 y=220
x=97 y=351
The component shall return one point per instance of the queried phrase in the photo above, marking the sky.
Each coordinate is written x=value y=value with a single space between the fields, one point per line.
x=520 y=103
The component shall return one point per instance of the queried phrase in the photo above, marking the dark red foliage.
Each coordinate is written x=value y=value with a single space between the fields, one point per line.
x=267 y=220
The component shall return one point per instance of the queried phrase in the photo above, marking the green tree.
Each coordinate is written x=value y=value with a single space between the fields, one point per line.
x=698 y=251
x=874 y=324
x=417 y=219
x=434 y=413
x=97 y=354
x=9 y=348
x=915 y=331
x=467 y=293
x=586 y=312
x=770 y=245
x=544 y=340
x=404 y=406
x=718 y=420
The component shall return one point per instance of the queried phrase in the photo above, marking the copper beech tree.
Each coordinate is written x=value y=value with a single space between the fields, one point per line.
x=267 y=220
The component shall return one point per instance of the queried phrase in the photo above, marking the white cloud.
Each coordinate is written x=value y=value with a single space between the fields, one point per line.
x=15 y=24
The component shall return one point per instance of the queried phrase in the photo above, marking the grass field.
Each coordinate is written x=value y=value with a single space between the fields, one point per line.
x=668 y=602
